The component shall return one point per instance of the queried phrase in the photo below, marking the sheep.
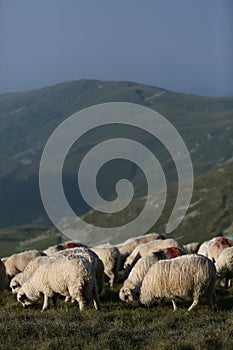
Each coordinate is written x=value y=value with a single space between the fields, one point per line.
x=72 y=276
x=110 y=256
x=192 y=248
x=17 y=262
x=65 y=245
x=187 y=276
x=18 y=280
x=93 y=258
x=4 y=282
x=128 y=246
x=131 y=285
x=136 y=276
x=147 y=248
x=224 y=265
x=203 y=249
x=216 y=247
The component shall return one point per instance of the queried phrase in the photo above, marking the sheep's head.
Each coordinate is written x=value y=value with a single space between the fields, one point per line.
x=23 y=299
x=15 y=286
x=26 y=296
x=126 y=265
x=126 y=295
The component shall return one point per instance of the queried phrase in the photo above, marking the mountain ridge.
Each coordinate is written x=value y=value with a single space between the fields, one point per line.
x=28 y=118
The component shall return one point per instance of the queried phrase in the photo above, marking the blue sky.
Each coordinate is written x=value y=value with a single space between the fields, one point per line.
x=179 y=45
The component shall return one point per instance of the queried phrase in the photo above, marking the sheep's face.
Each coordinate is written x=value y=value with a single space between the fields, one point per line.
x=126 y=295
x=27 y=298
x=23 y=299
x=15 y=286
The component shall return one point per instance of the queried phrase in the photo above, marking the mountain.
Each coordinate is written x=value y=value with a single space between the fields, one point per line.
x=27 y=120
x=208 y=91
x=210 y=214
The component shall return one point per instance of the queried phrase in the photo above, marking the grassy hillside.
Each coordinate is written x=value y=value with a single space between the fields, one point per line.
x=18 y=238
x=210 y=214
x=28 y=118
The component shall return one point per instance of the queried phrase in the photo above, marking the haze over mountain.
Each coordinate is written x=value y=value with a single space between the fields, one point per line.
x=28 y=118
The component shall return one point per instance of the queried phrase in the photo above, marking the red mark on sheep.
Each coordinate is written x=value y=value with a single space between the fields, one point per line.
x=222 y=242
x=71 y=244
x=173 y=252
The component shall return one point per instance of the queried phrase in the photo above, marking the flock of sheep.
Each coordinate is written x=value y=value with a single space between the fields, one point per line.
x=155 y=268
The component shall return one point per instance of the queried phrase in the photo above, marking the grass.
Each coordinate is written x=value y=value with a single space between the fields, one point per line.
x=117 y=325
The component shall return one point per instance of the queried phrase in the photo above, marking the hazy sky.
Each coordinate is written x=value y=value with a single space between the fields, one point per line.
x=175 y=44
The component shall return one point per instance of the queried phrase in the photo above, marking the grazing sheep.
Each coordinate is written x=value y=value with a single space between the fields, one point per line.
x=147 y=248
x=110 y=256
x=93 y=258
x=21 y=277
x=17 y=262
x=132 y=284
x=224 y=265
x=187 y=276
x=4 y=282
x=128 y=246
x=216 y=247
x=203 y=249
x=72 y=276
x=192 y=248
x=136 y=276
x=65 y=245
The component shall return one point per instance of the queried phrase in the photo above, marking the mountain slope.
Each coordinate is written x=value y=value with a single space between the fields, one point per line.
x=210 y=214
x=27 y=119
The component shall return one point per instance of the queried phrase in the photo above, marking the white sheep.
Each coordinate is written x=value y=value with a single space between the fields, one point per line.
x=187 y=276
x=4 y=282
x=21 y=277
x=203 y=249
x=93 y=258
x=214 y=247
x=71 y=276
x=147 y=248
x=136 y=276
x=132 y=284
x=17 y=262
x=110 y=256
x=192 y=247
x=128 y=246
x=224 y=265
x=64 y=245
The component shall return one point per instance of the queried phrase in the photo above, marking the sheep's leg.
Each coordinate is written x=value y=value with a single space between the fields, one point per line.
x=54 y=298
x=174 y=305
x=81 y=303
x=211 y=298
x=111 y=279
x=45 y=304
x=79 y=297
x=194 y=304
x=96 y=297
